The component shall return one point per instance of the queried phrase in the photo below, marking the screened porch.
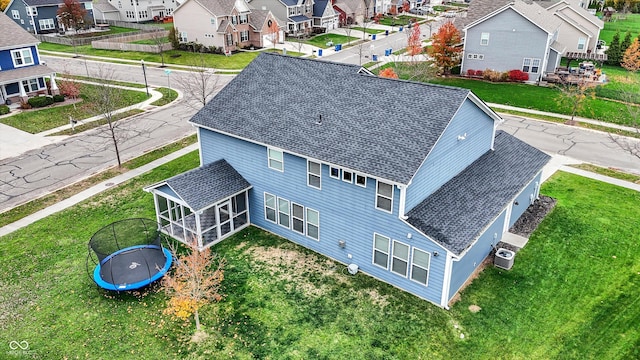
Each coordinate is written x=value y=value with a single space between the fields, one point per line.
x=207 y=204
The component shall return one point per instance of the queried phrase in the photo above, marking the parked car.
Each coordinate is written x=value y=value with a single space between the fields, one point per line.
x=449 y=14
x=417 y=11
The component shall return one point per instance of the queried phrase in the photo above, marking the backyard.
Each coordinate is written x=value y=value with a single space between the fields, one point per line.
x=283 y=301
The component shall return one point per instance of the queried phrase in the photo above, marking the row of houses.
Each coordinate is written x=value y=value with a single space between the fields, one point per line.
x=529 y=35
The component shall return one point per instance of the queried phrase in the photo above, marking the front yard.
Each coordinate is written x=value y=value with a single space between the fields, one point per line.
x=571 y=294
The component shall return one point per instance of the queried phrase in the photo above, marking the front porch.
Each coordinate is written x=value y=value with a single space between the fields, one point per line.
x=17 y=84
x=205 y=205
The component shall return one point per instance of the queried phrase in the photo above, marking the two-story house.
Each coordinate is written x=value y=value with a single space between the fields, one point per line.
x=298 y=14
x=133 y=10
x=517 y=35
x=414 y=193
x=21 y=73
x=580 y=30
x=226 y=23
x=41 y=16
x=354 y=11
x=325 y=18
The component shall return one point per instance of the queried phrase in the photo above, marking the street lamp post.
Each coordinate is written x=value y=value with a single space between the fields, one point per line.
x=144 y=72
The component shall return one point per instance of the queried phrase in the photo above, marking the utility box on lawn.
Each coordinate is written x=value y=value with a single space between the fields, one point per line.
x=504 y=259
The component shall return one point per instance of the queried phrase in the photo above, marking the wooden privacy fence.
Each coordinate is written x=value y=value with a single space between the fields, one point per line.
x=123 y=43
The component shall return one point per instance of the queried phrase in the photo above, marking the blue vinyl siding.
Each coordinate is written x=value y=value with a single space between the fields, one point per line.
x=524 y=200
x=44 y=12
x=463 y=268
x=506 y=48
x=450 y=156
x=347 y=211
x=6 y=61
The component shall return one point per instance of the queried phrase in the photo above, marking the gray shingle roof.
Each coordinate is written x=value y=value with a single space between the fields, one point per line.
x=381 y=127
x=49 y=2
x=455 y=214
x=299 y=18
x=13 y=35
x=206 y=185
x=530 y=9
x=24 y=73
x=218 y=7
x=318 y=7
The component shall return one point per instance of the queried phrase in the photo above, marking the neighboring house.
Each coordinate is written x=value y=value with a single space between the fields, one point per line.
x=580 y=29
x=353 y=11
x=41 y=16
x=415 y=193
x=21 y=73
x=298 y=14
x=227 y=24
x=134 y=10
x=517 y=35
x=325 y=18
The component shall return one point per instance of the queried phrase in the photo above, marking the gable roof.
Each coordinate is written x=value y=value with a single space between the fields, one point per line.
x=457 y=213
x=48 y=2
x=559 y=5
x=319 y=7
x=204 y=186
x=531 y=11
x=215 y=7
x=13 y=35
x=104 y=6
x=258 y=18
x=335 y=113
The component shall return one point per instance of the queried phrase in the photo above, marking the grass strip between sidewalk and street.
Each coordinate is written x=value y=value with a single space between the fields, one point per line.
x=36 y=205
x=610 y=172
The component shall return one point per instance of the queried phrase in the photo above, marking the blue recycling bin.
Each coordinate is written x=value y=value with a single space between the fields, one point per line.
x=338 y=47
x=373 y=37
x=374 y=57
x=387 y=52
x=400 y=29
x=319 y=52
x=386 y=32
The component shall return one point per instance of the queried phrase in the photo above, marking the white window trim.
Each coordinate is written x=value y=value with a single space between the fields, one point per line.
x=269 y=158
x=331 y=169
x=88 y=5
x=350 y=181
x=484 y=39
x=29 y=88
x=582 y=41
x=362 y=176
x=405 y=260
x=13 y=57
x=309 y=174
x=46 y=24
x=15 y=14
x=388 y=253
x=32 y=11
x=306 y=223
x=275 y=199
x=242 y=36
x=428 y=269
x=288 y=212
x=384 y=196
x=533 y=65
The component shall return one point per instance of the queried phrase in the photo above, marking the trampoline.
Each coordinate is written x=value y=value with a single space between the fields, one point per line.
x=128 y=255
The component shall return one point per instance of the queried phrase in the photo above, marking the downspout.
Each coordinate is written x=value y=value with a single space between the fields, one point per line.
x=446 y=282
x=403 y=200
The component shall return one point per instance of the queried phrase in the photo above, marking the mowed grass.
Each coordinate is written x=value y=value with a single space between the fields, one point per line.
x=321 y=41
x=631 y=23
x=177 y=57
x=572 y=294
x=38 y=120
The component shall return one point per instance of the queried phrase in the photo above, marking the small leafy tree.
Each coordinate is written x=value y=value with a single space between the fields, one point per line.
x=414 y=43
x=68 y=88
x=626 y=42
x=159 y=40
x=194 y=282
x=174 y=39
x=388 y=73
x=631 y=58
x=614 y=51
x=572 y=97
x=445 y=49
x=72 y=14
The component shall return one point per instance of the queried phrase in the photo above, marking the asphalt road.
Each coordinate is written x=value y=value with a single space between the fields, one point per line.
x=51 y=167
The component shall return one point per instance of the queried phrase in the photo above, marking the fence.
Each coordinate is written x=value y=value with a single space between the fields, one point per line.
x=123 y=42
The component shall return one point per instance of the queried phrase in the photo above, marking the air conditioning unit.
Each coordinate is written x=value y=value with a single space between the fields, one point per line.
x=504 y=259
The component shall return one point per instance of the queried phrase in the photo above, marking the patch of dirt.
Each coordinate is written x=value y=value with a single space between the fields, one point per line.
x=377 y=298
x=199 y=336
x=533 y=216
x=474 y=308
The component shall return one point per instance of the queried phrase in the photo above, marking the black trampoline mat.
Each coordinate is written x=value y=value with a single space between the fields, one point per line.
x=133 y=265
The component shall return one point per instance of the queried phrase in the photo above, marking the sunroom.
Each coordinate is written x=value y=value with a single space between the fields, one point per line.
x=207 y=204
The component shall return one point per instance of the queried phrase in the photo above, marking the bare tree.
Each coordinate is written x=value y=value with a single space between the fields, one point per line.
x=158 y=38
x=199 y=85
x=572 y=96
x=106 y=99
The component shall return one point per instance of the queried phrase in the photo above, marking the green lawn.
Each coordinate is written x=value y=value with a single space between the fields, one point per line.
x=322 y=40
x=235 y=61
x=283 y=301
x=631 y=23
x=35 y=121
x=368 y=30
x=400 y=20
